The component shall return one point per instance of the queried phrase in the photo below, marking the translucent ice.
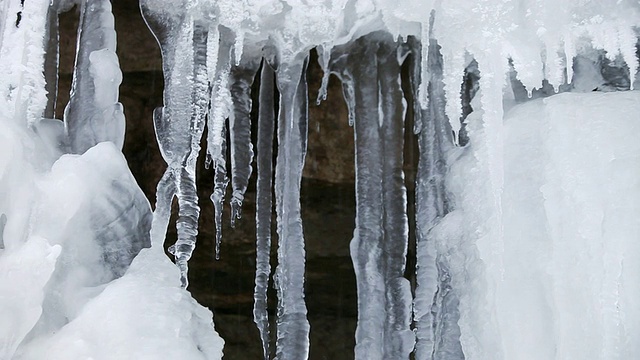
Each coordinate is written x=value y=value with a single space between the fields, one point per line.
x=94 y=114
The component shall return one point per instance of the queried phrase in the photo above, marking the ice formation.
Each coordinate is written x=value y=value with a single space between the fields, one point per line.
x=526 y=223
x=77 y=277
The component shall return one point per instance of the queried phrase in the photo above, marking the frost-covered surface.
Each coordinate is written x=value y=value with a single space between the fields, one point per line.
x=562 y=284
x=142 y=315
x=66 y=288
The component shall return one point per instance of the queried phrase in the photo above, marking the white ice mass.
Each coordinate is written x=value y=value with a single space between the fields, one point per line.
x=527 y=191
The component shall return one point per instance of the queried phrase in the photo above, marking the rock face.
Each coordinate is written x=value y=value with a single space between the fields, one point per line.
x=226 y=286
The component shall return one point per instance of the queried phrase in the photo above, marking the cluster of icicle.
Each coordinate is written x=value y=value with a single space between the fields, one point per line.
x=29 y=59
x=212 y=51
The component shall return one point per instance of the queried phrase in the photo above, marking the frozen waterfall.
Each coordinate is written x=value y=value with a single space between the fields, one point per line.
x=525 y=229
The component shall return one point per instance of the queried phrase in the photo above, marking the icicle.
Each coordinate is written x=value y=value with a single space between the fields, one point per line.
x=324 y=58
x=240 y=133
x=219 y=110
x=94 y=114
x=355 y=65
x=292 y=324
x=554 y=71
x=161 y=215
x=628 y=40
x=569 y=54
x=238 y=47
x=430 y=316
x=220 y=182
x=370 y=73
x=348 y=92
x=399 y=339
x=423 y=95
x=453 y=73
x=416 y=64
x=213 y=47
x=180 y=124
x=189 y=210
x=264 y=162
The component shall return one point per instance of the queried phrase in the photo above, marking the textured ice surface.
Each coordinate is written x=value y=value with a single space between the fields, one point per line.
x=145 y=314
x=64 y=269
x=561 y=285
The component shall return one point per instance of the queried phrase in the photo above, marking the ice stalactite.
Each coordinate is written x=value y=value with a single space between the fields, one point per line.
x=264 y=164
x=399 y=338
x=220 y=183
x=94 y=114
x=292 y=324
x=210 y=52
x=370 y=73
x=437 y=335
x=186 y=191
x=241 y=78
x=219 y=109
x=180 y=123
x=359 y=65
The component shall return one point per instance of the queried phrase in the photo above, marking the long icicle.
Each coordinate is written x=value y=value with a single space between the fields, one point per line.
x=358 y=72
x=399 y=338
x=219 y=110
x=240 y=132
x=179 y=124
x=435 y=305
x=189 y=211
x=266 y=124
x=292 y=323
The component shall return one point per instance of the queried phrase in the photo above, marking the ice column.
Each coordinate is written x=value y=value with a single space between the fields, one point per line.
x=220 y=108
x=435 y=304
x=180 y=123
x=370 y=73
x=293 y=327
